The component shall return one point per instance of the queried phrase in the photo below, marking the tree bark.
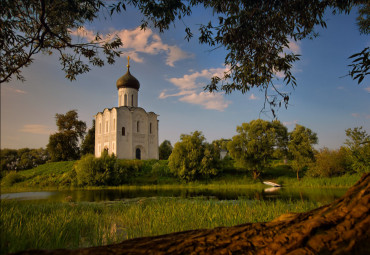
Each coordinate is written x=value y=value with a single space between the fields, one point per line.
x=342 y=227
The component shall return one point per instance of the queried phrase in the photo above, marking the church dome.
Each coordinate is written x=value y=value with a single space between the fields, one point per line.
x=128 y=81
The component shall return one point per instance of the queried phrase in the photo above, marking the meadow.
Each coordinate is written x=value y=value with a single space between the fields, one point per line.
x=69 y=224
x=26 y=225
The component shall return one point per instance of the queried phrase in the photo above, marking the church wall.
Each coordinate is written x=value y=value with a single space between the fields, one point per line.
x=153 y=136
x=139 y=139
x=130 y=100
x=105 y=133
x=124 y=142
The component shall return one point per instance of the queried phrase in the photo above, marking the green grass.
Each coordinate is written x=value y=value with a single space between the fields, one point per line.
x=69 y=225
x=59 y=175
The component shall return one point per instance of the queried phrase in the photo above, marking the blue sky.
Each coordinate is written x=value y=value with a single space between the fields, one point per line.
x=172 y=73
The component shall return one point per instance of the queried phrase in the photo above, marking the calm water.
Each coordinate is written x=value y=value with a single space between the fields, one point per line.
x=308 y=194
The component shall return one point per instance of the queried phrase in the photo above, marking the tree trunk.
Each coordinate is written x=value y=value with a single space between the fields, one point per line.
x=298 y=175
x=342 y=227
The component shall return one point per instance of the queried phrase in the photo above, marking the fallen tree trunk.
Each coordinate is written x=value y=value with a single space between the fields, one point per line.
x=342 y=227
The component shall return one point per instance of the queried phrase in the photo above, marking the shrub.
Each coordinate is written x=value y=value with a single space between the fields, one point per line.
x=329 y=163
x=161 y=168
x=11 y=178
x=192 y=158
x=86 y=170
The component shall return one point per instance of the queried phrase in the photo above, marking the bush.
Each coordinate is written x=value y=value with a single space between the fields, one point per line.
x=192 y=158
x=86 y=170
x=106 y=170
x=11 y=178
x=330 y=163
x=161 y=168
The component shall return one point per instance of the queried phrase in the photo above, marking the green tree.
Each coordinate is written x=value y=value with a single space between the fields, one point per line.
x=63 y=145
x=255 y=144
x=29 y=27
x=330 y=163
x=165 y=150
x=255 y=35
x=300 y=146
x=88 y=144
x=358 y=142
x=192 y=158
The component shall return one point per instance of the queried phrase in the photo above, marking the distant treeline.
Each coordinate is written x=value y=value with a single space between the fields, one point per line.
x=22 y=159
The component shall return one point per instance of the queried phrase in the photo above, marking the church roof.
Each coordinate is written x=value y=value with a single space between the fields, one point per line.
x=128 y=80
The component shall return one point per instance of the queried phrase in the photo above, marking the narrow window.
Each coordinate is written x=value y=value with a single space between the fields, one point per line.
x=137 y=127
x=150 y=128
x=114 y=124
x=123 y=131
x=125 y=100
x=106 y=127
x=132 y=100
x=100 y=128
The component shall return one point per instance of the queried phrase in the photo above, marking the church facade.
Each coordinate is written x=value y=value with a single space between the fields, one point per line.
x=127 y=131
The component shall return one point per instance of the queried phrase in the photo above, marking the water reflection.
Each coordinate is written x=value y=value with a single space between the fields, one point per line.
x=272 y=193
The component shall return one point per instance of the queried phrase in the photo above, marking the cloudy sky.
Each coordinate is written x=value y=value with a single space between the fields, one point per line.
x=172 y=73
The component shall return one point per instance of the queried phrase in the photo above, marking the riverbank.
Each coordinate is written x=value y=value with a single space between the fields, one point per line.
x=61 y=176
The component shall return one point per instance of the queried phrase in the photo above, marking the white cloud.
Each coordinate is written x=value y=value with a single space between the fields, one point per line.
x=36 y=129
x=253 y=97
x=290 y=123
x=340 y=87
x=191 y=90
x=138 y=41
x=14 y=90
x=367 y=89
x=294 y=46
x=356 y=115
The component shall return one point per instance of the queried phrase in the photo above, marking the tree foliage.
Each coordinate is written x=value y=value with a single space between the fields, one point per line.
x=192 y=158
x=22 y=159
x=255 y=35
x=29 y=27
x=330 y=163
x=63 y=145
x=88 y=144
x=300 y=146
x=165 y=150
x=256 y=143
x=358 y=142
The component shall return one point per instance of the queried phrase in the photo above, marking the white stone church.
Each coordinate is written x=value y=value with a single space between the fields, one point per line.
x=128 y=130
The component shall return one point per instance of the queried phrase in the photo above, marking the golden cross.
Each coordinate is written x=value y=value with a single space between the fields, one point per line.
x=128 y=62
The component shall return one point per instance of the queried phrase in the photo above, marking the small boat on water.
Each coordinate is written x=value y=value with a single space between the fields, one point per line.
x=271 y=184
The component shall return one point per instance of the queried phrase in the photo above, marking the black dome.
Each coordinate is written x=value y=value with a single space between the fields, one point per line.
x=128 y=81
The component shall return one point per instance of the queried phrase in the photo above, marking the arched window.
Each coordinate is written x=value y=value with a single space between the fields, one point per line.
x=125 y=100
x=137 y=127
x=123 y=131
x=138 y=153
x=150 y=128
x=132 y=100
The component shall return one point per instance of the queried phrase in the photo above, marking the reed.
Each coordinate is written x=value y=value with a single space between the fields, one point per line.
x=71 y=225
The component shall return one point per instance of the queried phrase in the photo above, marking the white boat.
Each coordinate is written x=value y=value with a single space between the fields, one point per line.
x=271 y=184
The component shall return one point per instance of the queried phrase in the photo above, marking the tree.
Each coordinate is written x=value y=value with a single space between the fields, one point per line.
x=192 y=158
x=29 y=27
x=330 y=163
x=88 y=144
x=301 y=140
x=63 y=145
x=358 y=142
x=255 y=144
x=255 y=35
x=165 y=150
